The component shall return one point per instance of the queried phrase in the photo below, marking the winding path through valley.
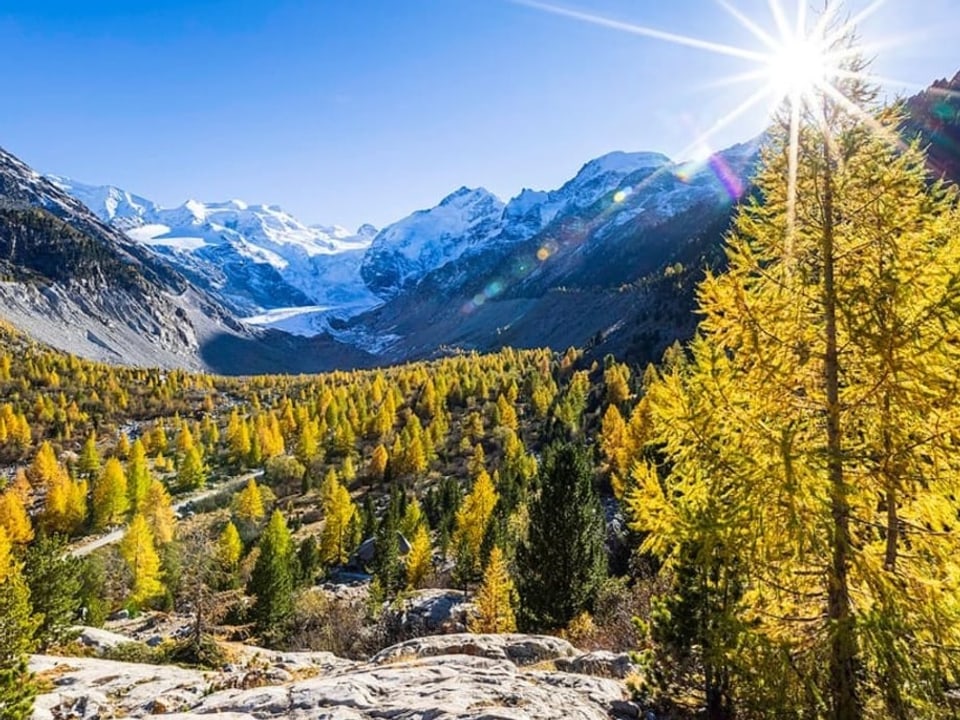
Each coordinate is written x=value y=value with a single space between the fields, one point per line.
x=87 y=546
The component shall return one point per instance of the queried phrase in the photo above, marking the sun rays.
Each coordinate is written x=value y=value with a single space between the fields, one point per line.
x=804 y=60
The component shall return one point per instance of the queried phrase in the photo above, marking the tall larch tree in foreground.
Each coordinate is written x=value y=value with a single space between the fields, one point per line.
x=809 y=443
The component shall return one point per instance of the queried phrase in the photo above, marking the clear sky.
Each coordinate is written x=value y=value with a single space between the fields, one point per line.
x=350 y=111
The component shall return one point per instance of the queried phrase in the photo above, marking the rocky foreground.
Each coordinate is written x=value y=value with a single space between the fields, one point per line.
x=481 y=677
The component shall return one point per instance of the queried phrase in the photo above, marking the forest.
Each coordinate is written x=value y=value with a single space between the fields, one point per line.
x=767 y=518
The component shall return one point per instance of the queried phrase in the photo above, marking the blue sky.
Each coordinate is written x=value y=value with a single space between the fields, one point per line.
x=350 y=111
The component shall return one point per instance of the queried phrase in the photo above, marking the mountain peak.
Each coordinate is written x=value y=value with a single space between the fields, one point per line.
x=465 y=195
x=621 y=163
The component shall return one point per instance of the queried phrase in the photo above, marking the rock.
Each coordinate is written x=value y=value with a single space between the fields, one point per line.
x=120 y=615
x=475 y=677
x=100 y=639
x=600 y=663
x=516 y=648
x=625 y=710
x=434 y=611
x=452 y=686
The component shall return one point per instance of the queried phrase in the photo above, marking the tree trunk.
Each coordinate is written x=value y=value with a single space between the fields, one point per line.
x=845 y=703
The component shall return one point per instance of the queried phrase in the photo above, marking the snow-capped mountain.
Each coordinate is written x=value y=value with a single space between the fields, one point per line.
x=402 y=253
x=255 y=258
x=566 y=266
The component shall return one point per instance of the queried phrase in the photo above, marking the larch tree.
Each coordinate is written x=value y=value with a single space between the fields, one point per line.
x=339 y=512
x=248 y=505
x=159 y=514
x=140 y=553
x=419 y=560
x=496 y=598
x=14 y=518
x=110 y=498
x=472 y=520
x=229 y=551
x=138 y=475
x=88 y=466
x=192 y=472
x=809 y=445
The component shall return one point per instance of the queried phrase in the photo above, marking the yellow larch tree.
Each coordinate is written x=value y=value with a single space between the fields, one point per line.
x=110 y=499
x=140 y=553
x=496 y=598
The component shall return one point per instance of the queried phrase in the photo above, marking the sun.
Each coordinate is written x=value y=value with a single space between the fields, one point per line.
x=799 y=67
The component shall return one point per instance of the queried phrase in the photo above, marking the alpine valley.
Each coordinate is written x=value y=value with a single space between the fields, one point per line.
x=608 y=261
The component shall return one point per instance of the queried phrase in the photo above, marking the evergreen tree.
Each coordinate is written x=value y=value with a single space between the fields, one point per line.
x=53 y=576
x=806 y=441
x=387 y=568
x=272 y=580
x=563 y=561
x=17 y=627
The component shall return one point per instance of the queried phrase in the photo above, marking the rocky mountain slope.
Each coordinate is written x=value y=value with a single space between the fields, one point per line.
x=610 y=256
x=79 y=285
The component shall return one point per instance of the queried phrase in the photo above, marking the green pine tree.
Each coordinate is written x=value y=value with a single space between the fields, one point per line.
x=563 y=561
x=272 y=581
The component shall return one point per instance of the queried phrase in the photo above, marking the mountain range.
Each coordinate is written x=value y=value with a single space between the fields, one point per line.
x=608 y=261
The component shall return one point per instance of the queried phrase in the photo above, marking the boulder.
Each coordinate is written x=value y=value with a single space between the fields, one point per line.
x=100 y=639
x=515 y=648
x=600 y=663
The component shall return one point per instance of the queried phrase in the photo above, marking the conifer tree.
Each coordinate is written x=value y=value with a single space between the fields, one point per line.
x=53 y=577
x=229 y=550
x=159 y=514
x=420 y=558
x=805 y=442
x=248 y=506
x=495 y=599
x=17 y=628
x=110 y=495
x=192 y=473
x=138 y=475
x=563 y=561
x=338 y=514
x=88 y=466
x=14 y=518
x=139 y=551
x=378 y=463
x=472 y=520
x=272 y=579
